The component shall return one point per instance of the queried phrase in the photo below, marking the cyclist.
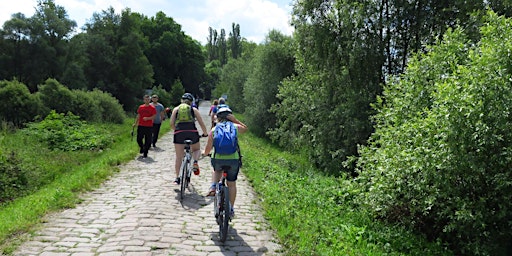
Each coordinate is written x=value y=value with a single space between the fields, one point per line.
x=224 y=114
x=183 y=123
x=213 y=111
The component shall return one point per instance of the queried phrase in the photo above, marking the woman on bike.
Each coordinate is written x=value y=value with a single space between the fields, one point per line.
x=213 y=111
x=224 y=114
x=183 y=119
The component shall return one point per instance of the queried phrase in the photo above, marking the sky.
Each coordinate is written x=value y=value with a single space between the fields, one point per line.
x=255 y=17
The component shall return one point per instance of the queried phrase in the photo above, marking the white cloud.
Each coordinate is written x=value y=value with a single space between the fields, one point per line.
x=255 y=17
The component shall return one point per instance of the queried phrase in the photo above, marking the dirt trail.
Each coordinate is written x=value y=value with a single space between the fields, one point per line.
x=137 y=212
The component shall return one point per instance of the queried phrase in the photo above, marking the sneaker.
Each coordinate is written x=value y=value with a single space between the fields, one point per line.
x=232 y=213
x=195 y=167
x=177 y=181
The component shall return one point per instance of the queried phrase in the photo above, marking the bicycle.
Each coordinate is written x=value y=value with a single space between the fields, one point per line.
x=222 y=205
x=185 y=169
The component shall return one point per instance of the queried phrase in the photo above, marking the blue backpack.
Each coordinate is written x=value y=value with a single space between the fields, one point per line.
x=225 y=140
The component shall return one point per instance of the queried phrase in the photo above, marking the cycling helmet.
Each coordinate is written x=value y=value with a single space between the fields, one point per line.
x=224 y=111
x=188 y=96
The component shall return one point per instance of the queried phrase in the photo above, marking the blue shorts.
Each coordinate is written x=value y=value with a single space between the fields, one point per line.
x=233 y=163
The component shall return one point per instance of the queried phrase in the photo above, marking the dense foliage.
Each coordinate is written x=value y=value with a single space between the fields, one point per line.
x=92 y=106
x=439 y=160
x=68 y=133
x=272 y=62
x=24 y=169
x=121 y=54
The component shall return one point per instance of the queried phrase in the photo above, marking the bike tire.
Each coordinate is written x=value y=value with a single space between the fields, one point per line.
x=183 y=179
x=224 y=215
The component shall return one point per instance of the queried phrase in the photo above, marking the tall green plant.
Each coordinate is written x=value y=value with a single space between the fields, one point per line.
x=439 y=160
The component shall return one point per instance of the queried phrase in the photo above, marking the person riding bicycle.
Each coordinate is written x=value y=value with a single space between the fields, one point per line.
x=213 y=111
x=183 y=119
x=224 y=114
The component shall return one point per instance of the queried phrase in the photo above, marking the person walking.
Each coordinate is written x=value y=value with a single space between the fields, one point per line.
x=183 y=124
x=145 y=115
x=159 y=118
x=225 y=119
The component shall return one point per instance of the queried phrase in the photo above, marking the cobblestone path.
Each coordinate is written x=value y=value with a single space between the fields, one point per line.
x=137 y=212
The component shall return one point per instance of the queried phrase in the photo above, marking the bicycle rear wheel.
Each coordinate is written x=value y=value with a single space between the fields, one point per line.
x=183 y=178
x=224 y=215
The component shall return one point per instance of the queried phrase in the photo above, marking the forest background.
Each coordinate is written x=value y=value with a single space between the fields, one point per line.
x=407 y=102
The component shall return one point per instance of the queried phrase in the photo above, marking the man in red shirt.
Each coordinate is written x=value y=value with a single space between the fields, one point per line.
x=145 y=115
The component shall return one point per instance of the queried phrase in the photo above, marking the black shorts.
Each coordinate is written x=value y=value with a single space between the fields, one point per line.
x=179 y=138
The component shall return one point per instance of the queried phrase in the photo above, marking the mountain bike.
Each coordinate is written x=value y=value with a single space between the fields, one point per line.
x=185 y=169
x=221 y=205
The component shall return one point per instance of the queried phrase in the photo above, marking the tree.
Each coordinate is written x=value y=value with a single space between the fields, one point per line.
x=273 y=61
x=338 y=76
x=222 y=48
x=234 y=41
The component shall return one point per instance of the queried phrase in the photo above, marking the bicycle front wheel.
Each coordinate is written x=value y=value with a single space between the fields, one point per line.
x=224 y=218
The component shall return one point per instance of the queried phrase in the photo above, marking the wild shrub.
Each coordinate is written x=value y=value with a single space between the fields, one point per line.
x=68 y=133
x=13 y=180
x=85 y=105
x=439 y=160
x=17 y=106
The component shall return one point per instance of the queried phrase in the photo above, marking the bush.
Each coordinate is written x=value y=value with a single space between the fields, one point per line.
x=17 y=106
x=68 y=133
x=439 y=160
x=13 y=180
x=85 y=105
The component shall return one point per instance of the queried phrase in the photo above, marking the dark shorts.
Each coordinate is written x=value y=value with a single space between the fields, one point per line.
x=179 y=138
x=233 y=163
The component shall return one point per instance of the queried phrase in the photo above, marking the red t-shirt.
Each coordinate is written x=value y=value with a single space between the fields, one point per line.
x=146 y=111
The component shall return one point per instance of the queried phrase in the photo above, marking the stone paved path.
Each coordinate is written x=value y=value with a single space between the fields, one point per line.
x=137 y=212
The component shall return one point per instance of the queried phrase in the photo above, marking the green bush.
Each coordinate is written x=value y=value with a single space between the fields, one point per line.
x=439 y=160
x=85 y=105
x=13 y=180
x=68 y=133
x=17 y=106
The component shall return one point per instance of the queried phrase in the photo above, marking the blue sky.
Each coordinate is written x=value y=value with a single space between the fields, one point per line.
x=256 y=17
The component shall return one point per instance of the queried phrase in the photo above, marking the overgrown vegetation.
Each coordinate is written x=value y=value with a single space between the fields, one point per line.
x=439 y=160
x=316 y=214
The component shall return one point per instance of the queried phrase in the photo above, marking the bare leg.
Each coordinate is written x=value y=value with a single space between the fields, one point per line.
x=179 y=148
x=232 y=192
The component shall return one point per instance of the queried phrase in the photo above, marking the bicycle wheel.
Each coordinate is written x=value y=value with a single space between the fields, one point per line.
x=224 y=214
x=183 y=175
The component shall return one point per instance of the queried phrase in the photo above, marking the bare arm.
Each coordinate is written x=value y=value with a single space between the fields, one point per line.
x=136 y=120
x=209 y=145
x=200 y=120
x=173 y=118
x=241 y=126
